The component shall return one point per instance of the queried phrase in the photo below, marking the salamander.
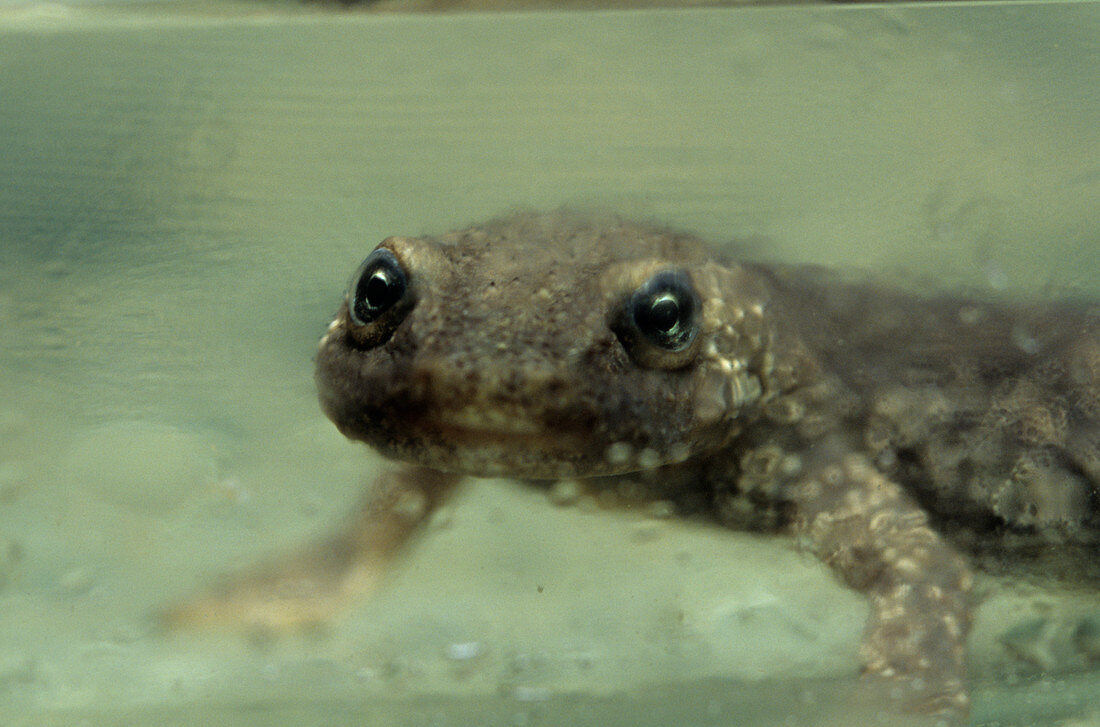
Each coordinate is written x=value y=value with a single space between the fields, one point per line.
x=905 y=437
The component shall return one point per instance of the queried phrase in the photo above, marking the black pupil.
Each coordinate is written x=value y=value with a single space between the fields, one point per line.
x=378 y=290
x=380 y=286
x=664 y=310
x=664 y=314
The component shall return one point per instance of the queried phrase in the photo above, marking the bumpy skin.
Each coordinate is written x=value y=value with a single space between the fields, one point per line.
x=900 y=437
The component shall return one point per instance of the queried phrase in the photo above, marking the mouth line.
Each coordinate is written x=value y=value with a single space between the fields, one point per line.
x=541 y=439
x=471 y=428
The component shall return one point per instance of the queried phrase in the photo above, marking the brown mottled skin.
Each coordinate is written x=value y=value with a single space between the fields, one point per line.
x=900 y=437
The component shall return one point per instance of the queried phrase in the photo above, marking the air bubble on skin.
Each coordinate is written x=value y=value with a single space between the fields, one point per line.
x=790 y=465
x=565 y=492
x=648 y=459
x=679 y=452
x=618 y=454
x=1024 y=341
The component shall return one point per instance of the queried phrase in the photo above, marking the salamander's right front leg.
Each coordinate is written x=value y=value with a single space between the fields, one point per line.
x=309 y=587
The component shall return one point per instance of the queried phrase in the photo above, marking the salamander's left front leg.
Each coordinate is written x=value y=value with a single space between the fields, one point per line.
x=309 y=586
x=880 y=543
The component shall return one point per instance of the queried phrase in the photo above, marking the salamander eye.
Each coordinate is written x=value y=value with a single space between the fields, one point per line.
x=664 y=310
x=658 y=325
x=377 y=286
x=379 y=297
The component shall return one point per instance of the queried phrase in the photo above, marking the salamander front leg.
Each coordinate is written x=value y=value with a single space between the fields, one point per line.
x=309 y=587
x=880 y=543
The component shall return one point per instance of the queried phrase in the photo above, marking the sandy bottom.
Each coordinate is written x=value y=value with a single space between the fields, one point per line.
x=508 y=610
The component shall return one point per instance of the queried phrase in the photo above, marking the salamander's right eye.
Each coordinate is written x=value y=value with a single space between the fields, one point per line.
x=378 y=285
x=379 y=297
x=663 y=310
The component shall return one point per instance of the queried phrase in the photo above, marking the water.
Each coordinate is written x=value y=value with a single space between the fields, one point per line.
x=183 y=199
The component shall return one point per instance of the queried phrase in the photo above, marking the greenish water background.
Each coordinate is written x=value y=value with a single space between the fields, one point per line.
x=183 y=199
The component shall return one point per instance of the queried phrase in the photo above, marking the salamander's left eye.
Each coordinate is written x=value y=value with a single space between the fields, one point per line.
x=659 y=323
